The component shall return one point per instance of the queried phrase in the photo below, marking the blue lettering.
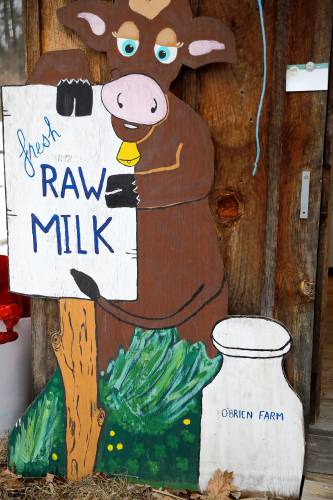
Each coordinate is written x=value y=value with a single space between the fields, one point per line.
x=67 y=250
x=279 y=416
x=26 y=153
x=69 y=183
x=98 y=234
x=50 y=180
x=29 y=151
x=80 y=251
x=46 y=142
x=39 y=149
x=92 y=190
x=36 y=222
x=52 y=132
x=249 y=415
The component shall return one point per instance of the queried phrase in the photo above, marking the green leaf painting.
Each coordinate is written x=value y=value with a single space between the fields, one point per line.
x=152 y=399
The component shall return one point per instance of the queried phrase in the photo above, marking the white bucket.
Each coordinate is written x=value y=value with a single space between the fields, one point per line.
x=15 y=376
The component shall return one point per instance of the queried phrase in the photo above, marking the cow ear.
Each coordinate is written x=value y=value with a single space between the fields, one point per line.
x=208 y=41
x=90 y=19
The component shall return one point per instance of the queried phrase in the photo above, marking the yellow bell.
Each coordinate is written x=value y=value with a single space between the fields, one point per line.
x=128 y=154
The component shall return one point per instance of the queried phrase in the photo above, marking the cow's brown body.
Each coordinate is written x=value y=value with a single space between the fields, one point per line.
x=181 y=280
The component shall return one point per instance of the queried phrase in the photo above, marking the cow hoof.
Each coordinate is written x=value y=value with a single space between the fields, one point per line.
x=74 y=96
x=121 y=192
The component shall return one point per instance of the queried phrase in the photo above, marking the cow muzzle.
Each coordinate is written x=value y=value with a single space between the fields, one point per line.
x=136 y=99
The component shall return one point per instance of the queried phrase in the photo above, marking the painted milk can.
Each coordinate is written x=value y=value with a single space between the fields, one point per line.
x=252 y=420
x=15 y=375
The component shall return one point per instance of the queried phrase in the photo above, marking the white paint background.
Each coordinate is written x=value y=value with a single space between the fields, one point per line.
x=91 y=144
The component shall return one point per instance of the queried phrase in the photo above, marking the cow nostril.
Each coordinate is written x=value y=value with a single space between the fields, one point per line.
x=154 y=108
x=120 y=104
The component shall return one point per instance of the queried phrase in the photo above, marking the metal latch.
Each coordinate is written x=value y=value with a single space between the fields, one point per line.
x=305 y=194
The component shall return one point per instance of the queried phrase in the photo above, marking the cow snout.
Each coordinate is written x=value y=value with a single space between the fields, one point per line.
x=135 y=99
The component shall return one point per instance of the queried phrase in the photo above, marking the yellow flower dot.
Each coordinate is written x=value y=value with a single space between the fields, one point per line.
x=54 y=457
x=112 y=434
x=187 y=421
x=110 y=447
x=120 y=446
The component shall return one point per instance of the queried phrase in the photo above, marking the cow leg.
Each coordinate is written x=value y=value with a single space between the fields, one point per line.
x=112 y=334
x=200 y=327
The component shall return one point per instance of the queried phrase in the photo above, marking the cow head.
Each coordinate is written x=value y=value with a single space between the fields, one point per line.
x=146 y=42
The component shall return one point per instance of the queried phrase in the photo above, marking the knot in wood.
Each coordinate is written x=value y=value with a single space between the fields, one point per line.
x=101 y=417
x=308 y=290
x=56 y=339
x=229 y=208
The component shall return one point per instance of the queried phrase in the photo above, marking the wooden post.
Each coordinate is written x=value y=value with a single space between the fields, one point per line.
x=76 y=351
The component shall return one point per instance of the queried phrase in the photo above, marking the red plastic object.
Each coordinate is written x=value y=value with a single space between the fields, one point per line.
x=13 y=307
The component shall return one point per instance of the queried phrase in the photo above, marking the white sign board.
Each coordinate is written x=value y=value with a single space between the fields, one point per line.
x=56 y=171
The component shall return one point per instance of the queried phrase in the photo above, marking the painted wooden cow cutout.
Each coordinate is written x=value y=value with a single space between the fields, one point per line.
x=157 y=407
x=181 y=279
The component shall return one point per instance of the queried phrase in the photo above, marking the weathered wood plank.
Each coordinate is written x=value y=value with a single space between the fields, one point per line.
x=319 y=456
x=320 y=329
x=228 y=102
x=303 y=142
x=32 y=36
x=275 y=130
x=317 y=487
x=44 y=321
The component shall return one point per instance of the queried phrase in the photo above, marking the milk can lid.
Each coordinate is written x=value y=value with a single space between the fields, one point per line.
x=251 y=337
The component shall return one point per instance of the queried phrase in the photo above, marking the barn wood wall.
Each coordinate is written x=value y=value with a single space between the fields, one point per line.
x=270 y=255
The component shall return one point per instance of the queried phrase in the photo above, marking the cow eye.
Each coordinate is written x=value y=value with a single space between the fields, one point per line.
x=166 y=55
x=127 y=47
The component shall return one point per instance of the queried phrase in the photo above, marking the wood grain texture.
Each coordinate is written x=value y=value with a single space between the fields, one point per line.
x=303 y=142
x=76 y=351
x=32 y=45
x=317 y=486
x=319 y=456
x=323 y=307
x=229 y=100
x=44 y=321
x=324 y=420
x=275 y=129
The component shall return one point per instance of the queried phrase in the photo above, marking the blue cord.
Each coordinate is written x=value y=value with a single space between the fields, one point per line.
x=263 y=31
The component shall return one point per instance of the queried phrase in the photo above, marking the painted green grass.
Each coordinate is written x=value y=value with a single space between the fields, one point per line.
x=152 y=398
x=37 y=442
